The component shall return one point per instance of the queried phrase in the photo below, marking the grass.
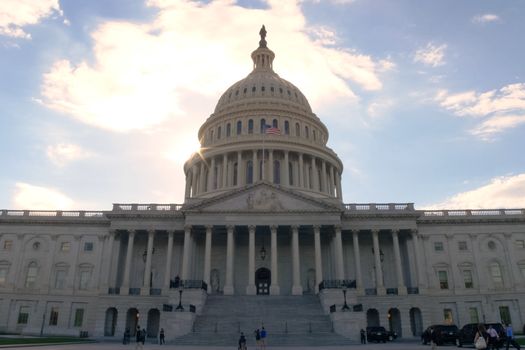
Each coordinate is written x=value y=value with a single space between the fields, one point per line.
x=43 y=340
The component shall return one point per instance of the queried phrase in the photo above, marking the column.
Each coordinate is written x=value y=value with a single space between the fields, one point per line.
x=124 y=290
x=338 y=184
x=315 y=176
x=332 y=180
x=339 y=267
x=202 y=177
x=401 y=288
x=169 y=257
x=250 y=288
x=186 y=254
x=297 y=289
x=187 y=190
x=107 y=259
x=255 y=167
x=301 y=171
x=357 y=255
x=270 y=166
x=228 y=285
x=419 y=267
x=147 y=269
x=194 y=180
x=239 y=169
x=224 y=171
x=274 y=287
x=207 y=257
x=379 y=268
x=211 y=174
x=323 y=177
x=286 y=177
x=318 y=258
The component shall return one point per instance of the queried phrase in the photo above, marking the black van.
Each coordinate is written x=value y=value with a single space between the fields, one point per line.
x=444 y=334
x=468 y=333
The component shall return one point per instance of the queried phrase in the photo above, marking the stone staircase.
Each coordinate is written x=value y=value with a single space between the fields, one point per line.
x=288 y=320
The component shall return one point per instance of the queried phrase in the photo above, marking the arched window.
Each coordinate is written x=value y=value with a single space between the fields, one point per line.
x=276 y=172
x=239 y=127
x=297 y=130
x=286 y=127
x=306 y=132
x=290 y=173
x=497 y=276
x=32 y=271
x=228 y=130
x=219 y=133
x=275 y=123
x=250 y=126
x=235 y=174
x=249 y=172
x=263 y=123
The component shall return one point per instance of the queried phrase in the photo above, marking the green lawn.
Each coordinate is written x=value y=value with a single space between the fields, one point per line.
x=43 y=340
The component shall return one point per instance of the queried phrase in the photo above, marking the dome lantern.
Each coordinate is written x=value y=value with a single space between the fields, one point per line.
x=263 y=56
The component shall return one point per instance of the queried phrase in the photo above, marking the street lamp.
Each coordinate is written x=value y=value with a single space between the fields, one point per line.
x=345 y=306
x=179 y=307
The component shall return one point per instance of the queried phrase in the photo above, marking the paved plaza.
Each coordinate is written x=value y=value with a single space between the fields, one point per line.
x=113 y=346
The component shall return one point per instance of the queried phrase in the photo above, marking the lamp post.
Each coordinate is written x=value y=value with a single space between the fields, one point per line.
x=345 y=306
x=179 y=307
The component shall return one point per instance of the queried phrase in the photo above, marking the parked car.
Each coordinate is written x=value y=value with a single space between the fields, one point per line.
x=444 y=334
x=377 y=334
x=468 y=332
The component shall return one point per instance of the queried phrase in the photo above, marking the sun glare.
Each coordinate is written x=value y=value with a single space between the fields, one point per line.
x=182 y=149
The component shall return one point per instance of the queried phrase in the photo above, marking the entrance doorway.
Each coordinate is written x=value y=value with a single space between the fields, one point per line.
x=262 y=281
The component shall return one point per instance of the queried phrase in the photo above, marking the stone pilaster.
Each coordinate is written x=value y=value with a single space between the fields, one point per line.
x=228 y=285
x=297 y=288
x=274 y=287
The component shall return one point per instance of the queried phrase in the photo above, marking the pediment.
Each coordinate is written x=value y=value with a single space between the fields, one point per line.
x=263 y=197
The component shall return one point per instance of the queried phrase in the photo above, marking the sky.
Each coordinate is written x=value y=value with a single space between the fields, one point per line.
x=101 y=100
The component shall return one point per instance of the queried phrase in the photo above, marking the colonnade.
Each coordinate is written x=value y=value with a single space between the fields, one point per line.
x=236 y=169
x=297 y=288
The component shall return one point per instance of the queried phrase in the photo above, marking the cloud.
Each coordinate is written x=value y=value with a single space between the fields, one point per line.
x=486 y=18
x=33 y=197
x=64 y=153
x=500 y=192
x=431 y=55
x=380 y=107
x=142 y=73
x=16 y=14
x=502 y=109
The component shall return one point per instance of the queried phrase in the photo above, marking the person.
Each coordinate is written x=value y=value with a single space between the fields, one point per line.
x=481 y=333
x=126 y=337
x=433 y=339
x=137 y=334
x=510 y=338
x=176 y=282
x=161 y=337
x=493 y=342
x=363 y=336
x=242 y=342
x=139 y=344
x=263 y=338
x=257 y=339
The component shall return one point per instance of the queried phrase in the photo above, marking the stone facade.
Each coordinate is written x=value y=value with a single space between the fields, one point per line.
x=263 y=214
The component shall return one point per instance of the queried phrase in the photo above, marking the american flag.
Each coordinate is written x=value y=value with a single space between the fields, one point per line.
x=268 y=129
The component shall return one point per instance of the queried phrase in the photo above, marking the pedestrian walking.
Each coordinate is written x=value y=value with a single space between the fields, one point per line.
x=126 y=337
x=139 y=345
x=161 y=337
x=137 y=334
x=493 y=338
x=510 y=338
x=480 y=340
x=363 y=336
x=257 y=339
x=263 y=338
x=242 y=342
x=433 y=339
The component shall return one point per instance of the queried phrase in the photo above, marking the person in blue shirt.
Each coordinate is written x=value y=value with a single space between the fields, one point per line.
x=510 y=338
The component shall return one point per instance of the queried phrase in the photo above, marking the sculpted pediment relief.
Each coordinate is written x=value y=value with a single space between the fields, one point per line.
x=263 y=198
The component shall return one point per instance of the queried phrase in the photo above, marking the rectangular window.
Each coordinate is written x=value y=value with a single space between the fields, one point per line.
x=88 y=246
x=8 y=244
x=520 y=244
x=438 y=246
x=79 y=318
x=84 y=280
x=467 y=277
x=443 y=279
x=497 y=277
x=23 y=315
x=65 y=246
x=3 y=275
x=462 y=246
x=473 y=312
x=504 y=314
x=447 y=316
x=53 y=316
x=60 y=279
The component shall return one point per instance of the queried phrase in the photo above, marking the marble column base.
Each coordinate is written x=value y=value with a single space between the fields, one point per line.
x=124 y=290
x=402 y=290
x=275 y=290
x=381 y=291
x=228 y=290
x=297 y=290
x=251 y=290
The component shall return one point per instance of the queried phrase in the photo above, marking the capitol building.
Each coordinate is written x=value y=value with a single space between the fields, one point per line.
x=263 y=238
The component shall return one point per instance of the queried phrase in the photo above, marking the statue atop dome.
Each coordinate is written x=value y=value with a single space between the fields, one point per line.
x=262 y=33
